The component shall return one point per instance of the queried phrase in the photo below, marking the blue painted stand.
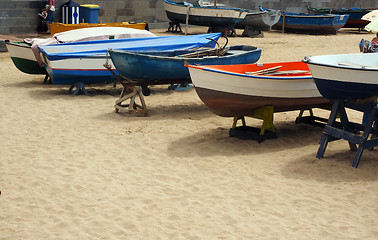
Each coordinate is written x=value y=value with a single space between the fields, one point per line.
x=351 y=131
x=180 y=86
x=79 y=88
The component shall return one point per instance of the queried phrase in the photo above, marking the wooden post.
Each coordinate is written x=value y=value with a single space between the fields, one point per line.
x=187 y=20
x=283 y=23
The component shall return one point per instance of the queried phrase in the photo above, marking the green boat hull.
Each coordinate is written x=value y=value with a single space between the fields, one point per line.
x=28 y=66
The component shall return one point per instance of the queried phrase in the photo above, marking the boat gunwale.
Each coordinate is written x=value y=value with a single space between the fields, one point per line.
x=270 y=77
x=314 y=16
x=18 y=44
x=350 y=67
x=169 y=58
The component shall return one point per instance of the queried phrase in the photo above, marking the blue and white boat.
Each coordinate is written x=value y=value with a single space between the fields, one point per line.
x=320 y=24
x=345 y=76
x=72 y=63
x=168 y=67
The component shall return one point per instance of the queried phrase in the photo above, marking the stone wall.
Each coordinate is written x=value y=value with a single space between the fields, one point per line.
x=20 y=16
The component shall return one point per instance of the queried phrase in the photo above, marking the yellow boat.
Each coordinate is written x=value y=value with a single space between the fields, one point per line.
x=62 y=27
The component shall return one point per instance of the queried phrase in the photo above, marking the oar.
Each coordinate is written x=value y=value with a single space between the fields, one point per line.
x=265 y=71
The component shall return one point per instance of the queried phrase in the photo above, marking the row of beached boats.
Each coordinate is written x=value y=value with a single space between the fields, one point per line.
x=227 y=79
x=219 y=16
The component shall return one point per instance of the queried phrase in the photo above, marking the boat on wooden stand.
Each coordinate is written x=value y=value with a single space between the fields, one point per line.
x=82 y=62
x=349 y=81
x=168 y=67
x=262 y=89
x=215 y=17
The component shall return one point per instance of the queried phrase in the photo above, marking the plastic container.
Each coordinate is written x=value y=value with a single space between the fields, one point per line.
x=89 y=13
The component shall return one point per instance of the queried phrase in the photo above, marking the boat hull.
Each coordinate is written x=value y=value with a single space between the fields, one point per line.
x=84 y=70
x=235 y=94
x=63 y=27
x=355 y=15
x=170 y=68
x=345 y=76
x=204 y=16
x=260 y=20
x=23 y=58
x=227 y=104
x=321 y=24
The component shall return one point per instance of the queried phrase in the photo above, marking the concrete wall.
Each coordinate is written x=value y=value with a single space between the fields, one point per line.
x=20 y=16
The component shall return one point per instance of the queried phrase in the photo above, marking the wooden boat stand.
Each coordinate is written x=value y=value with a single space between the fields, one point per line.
x=130 y=91
x=246 y=132
x=79 y=88
x=47 y=79
x=352 y=131
x=226 y=32
x=311 y=119
x=267 y=130
x=250 y=32
x=174 y=27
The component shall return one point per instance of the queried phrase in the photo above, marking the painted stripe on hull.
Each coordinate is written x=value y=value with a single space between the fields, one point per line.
x=72 y=76
x=84 y=70
x=345 y=90
x=237 y=105
x=233 y=83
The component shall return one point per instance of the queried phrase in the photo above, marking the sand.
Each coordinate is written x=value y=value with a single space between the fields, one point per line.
x=71 y=168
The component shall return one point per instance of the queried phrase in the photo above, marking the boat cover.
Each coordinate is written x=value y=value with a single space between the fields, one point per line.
x=86 y=34
x=99 y=48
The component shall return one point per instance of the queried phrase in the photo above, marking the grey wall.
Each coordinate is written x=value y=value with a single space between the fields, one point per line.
x=20 y=16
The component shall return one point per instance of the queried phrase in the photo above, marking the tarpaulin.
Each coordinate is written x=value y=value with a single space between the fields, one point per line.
x=99 y=48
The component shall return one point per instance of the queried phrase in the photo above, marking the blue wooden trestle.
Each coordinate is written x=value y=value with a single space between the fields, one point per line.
x=365 y=135
x=79 y=88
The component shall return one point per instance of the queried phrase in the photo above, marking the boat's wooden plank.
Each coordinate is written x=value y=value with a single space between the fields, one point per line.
x=265 y=71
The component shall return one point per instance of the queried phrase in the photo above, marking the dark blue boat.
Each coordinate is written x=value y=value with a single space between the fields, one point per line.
x=355 y=15
x=320 y=24
x=150 y=68
x=345 y=76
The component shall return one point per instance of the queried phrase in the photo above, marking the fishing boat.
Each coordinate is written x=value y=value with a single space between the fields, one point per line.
x=355 y=15
x=62 y=27
x=168 y=67
x=26 y=57
x=209 y=15
x=238 y=90
x=320 y=24
x=82 y=62
x=260 y=19
x=345 y=76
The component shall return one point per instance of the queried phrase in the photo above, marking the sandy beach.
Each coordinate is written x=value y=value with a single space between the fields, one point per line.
x=72 y=168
